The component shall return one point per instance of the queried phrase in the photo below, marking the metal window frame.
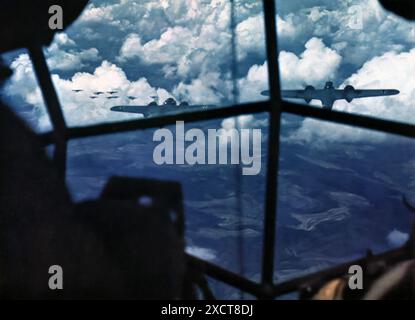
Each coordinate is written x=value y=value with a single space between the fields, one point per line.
x=267 y=288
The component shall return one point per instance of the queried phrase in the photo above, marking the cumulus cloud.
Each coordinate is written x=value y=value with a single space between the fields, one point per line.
x=173 y=44
x=251 y=36
x=22 y=92
x=62 y=39
x=72 y=60
x=286 y=27
x=63 y=54
x=23 y=82
x=185 y=46
x=313 y=66
x=397 y=238
x=316 y=64
x=194 y=52
x=186 y=39
x=391 y=70
x=130 y=15
x=359 y=30
x=253 y=83
x=209 y=88
x=78 y=108
x=202 y=253
x=319 y=134
x=196 y=56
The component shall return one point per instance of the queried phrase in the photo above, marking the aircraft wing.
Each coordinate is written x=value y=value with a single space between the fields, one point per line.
x=317 y=94
x=373 y=93
x=158 y=110
x=295 y=94
x=132 y=109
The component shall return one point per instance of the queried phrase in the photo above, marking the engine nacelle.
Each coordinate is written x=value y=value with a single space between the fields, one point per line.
x=349 y=93
x=170 y=102
x=309 y=91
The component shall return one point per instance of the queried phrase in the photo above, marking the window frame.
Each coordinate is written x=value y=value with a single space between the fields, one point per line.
x=274 y=106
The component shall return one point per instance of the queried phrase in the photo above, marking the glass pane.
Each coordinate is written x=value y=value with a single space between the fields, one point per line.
x=121 y=56
x=347 y=45
x=223 y=209
x=340 y=193
x=21 y=91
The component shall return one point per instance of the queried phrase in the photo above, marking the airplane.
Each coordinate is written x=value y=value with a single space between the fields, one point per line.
x=155 y=109
x=77 y=90
x=329 y=94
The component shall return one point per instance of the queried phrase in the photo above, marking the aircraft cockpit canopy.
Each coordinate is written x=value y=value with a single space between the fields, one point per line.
x=170 y=102
x=329 y=85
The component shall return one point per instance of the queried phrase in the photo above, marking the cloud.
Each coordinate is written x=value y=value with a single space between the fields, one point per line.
x=192 y=55
x=397 y=238
x=250 y=36
x=96 y=14
x=62 y=39
x=79 y=109
x=72 y=60
x=253 y=83
x=250 y=33
x=391 y=70
x=185 y=47
x=23 y=86
x=316 y=64
x=359 y=30
x=185 y=53
x=202 y=253
x=206 y=89
x=183 y=40
x=286 y=27
x=63 y=54
x=319 y=134
x=173 y=44
x=23 y=82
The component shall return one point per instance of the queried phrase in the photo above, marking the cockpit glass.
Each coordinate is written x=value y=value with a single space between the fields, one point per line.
x=351 y=46
x=22 y=92
x=342 y=191
x=129 y=54
x=223 y=207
